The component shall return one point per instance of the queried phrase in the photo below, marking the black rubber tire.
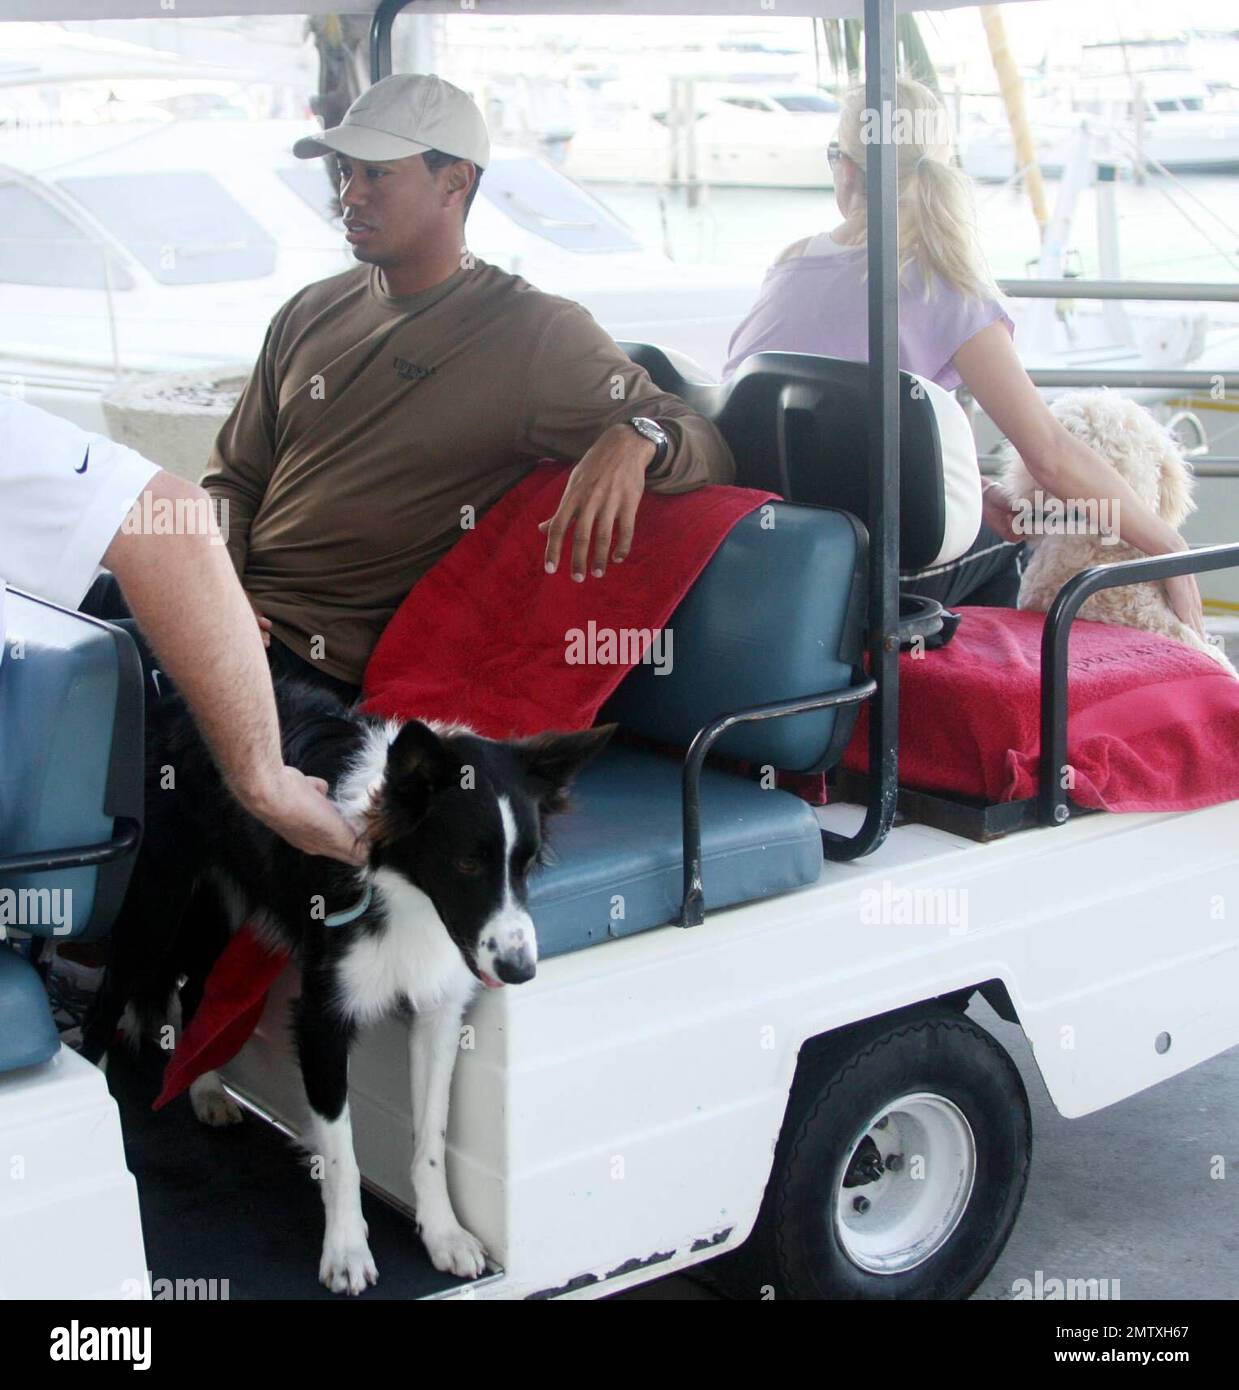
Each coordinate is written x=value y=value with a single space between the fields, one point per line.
x=841 y=1082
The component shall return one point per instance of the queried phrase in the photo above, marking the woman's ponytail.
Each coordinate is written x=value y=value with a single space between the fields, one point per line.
x=938 y=228
x=937 y=224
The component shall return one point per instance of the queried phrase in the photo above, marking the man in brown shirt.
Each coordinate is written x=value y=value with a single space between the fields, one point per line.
x=393 y=404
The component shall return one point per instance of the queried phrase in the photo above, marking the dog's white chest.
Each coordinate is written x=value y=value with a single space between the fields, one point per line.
x=413 y=959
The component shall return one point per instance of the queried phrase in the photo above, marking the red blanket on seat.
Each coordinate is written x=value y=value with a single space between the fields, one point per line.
x=483 y=639
x=1153 y=725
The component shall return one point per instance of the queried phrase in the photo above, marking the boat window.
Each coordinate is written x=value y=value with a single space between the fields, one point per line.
x=745 y=103
x=184 y=227
x=39 y=245
x=662 y=117
x=809 y=102
x=537 y=198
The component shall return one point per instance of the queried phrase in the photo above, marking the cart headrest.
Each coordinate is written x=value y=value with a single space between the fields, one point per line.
x=798 y=425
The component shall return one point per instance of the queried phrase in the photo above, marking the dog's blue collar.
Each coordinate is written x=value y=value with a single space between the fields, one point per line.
x=351 y=914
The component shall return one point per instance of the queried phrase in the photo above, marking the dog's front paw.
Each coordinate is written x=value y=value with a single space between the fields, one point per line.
x=347 y=1265
x=453 y=1250
x=211 y=1103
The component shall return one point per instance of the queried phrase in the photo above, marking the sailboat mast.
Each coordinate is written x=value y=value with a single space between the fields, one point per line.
x=1011 y=85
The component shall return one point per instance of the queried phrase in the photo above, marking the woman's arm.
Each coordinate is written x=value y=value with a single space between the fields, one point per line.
x=1065 y=466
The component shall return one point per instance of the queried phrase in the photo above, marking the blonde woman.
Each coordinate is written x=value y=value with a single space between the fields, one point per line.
x=953 y=329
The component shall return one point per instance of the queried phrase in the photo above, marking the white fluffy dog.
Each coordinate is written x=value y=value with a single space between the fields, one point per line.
x=1063 y=541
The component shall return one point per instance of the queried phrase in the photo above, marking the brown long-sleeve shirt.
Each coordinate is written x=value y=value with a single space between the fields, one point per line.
x=373 y=423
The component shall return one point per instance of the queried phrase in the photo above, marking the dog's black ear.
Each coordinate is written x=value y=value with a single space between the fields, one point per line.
x=553 y=760
x=418 y=763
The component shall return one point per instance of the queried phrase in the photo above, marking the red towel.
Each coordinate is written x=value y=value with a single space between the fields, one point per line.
x=232 y=1003
x=1153 y=725
x=482 y=640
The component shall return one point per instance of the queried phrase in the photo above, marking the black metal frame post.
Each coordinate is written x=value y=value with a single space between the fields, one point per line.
x=1053 y=804
x=882 y=198
x=380 y=37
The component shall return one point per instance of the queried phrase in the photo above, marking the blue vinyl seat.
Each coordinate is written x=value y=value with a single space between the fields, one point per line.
x=775 y=615
x=617 y=852
x=70 y=795
x=28 y=1036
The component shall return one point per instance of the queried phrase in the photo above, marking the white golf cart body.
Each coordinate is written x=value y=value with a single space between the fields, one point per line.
x=617 y=1118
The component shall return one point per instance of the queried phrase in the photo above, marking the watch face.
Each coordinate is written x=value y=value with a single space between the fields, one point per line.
x=649 y=428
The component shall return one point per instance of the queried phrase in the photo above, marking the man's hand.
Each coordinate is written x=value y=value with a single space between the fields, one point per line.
x=297 y=809
x=600 y=502
x=264 y=623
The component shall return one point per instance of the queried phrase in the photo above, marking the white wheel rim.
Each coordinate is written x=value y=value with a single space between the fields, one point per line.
x=908 y=1212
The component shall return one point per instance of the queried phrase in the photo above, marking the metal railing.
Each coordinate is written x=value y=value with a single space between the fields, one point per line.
x=1133 y=379
x=1072 y=288
x=1215 y=466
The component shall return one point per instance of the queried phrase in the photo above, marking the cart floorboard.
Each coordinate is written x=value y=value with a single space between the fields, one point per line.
x=237 y=1203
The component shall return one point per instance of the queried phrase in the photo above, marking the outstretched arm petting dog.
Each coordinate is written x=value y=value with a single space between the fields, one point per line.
x=1063 y=465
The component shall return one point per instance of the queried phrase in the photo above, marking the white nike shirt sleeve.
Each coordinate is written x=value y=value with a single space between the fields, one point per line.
x=63 y=495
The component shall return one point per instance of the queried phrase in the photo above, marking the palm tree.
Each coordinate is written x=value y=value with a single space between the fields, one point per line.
x=342 y=63
x=343 y=74
x=842 y=40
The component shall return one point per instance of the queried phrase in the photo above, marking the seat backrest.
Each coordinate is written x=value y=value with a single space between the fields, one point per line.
x=798 y=424
x=776 y=614
x=71 y=760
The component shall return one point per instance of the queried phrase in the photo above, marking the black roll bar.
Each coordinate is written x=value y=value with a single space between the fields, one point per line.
x=882 y=201
x=126 y=836
x=380 y=37
x=1053 y=804
x=692 y=908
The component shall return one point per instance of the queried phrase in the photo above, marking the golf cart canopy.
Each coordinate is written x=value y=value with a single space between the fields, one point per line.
x=191 y=9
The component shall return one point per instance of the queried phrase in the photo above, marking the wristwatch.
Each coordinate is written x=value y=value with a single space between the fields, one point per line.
x=654 y=432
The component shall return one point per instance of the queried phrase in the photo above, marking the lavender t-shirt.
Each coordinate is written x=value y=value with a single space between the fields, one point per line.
x=819 y=303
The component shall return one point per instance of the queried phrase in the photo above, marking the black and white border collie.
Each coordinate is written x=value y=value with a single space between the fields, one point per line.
x=455 y=826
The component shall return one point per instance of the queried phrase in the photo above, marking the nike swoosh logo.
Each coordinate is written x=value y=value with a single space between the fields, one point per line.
x=85 y=461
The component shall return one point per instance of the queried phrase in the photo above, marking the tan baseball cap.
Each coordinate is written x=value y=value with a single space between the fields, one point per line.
x=406 y=114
